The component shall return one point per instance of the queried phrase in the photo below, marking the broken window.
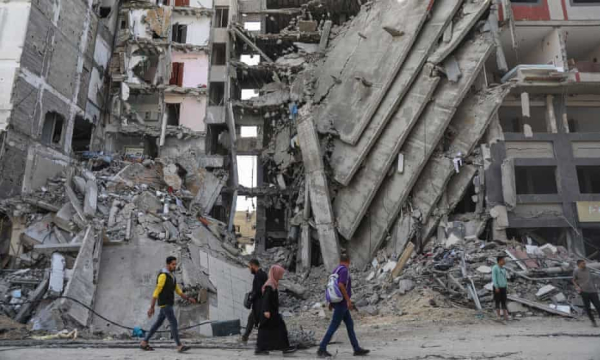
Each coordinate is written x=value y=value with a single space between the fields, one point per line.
x=216 y=93
x=576 y=2
x=176 y=74
x=104 y=11
x=513 y=121
x=219 y=54
x=82 y=134
x=221 y=17
x=123 y=24
x=589 y=179
x=179 y=34
x=536 y=180
x=173 y=111
x=249 y=131
x=182 y=2
x=53 y=128
x=583 y=119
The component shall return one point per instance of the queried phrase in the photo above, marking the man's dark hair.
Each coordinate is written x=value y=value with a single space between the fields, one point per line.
x=254 y=262
x=500 y=258
x=344 y=258
x=170 y=259
x=580 y=261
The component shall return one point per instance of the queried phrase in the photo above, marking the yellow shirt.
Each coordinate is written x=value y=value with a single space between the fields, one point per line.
x=160 y=283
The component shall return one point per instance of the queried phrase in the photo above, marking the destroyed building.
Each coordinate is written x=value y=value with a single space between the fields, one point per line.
x=398 y=132
x=54 y=86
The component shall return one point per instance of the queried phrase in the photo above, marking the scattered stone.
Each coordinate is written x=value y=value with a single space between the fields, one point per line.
x=405 y=285
x=484 y=269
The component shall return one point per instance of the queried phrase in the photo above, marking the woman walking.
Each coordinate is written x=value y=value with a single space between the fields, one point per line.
x=272 y=333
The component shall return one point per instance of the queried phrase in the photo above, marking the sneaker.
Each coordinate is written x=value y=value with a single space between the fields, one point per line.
x=361 y=352
x=261 y=352
x=291 y=349
x=244 y=339
x=323 y=354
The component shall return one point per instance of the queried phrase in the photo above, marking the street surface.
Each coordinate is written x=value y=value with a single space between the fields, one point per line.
x=525 y=339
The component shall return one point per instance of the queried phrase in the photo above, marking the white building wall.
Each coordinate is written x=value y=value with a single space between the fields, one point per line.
x=232 y=283
x=14 y=18
x=198 y=31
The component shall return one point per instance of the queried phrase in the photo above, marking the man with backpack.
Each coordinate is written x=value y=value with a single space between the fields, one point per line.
x=339 y=292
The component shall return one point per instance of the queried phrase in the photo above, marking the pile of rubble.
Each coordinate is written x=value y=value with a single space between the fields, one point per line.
x=452 y=274
x=68 y=221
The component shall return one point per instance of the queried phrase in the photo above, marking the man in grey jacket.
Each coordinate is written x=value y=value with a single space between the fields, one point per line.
x=583 y=280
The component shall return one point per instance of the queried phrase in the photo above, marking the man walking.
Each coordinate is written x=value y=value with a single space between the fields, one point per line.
x=166 y=286
x=341 y=311
x=500 y=283
x=260 y=277
x=584 y=283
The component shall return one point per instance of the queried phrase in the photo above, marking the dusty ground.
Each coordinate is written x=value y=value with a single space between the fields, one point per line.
x=475 y=338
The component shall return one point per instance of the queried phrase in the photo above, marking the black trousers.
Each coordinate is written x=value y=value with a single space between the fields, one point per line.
x=590 y=298
x=500 y=298
x=250 y=325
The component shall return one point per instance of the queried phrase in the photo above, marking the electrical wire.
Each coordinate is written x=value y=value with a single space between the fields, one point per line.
x=104 y=318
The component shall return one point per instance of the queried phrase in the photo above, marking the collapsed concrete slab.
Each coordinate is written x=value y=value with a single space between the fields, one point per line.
x=470 y=13
x=40 y=232
x=206 y=187
x=345 y=158
x=384 y=41
x=417 y=149
x=319 y=189
x=90 y=202
x=455 y=190
x=469 y=124
x=352 y=201
x=82 y=285
x=64 y=218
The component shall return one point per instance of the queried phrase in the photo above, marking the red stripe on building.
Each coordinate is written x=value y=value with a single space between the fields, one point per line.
x=539 y=11
x=564 y=7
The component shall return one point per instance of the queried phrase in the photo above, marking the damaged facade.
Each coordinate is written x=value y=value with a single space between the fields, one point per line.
x=159 y=77
x=458 y=124
x=54 y=86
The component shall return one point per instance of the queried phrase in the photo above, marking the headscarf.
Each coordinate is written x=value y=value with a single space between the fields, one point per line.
x=275 y=274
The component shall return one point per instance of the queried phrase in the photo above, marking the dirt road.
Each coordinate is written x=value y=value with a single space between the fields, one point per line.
x=531 y=338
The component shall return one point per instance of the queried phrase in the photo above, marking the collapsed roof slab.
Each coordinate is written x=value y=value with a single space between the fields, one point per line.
x=417 y=149
x=346 y=159
x=368 y=71
x=352 y=201
x=470 y=122
x=455 y=191
x=470 y=13
x=320 y=201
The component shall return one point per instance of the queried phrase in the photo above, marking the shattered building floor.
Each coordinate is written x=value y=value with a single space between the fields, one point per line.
x=377 y=135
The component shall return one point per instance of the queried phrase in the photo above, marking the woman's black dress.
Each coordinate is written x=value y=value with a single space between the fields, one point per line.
x=272 y=333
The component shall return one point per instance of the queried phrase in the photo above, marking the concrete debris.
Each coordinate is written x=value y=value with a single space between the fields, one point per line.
x=381 y=124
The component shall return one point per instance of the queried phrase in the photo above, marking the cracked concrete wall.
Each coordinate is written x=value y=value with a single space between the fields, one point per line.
x=378 y=43
x=347 y=159
x=423 y=139
x=55 y=75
